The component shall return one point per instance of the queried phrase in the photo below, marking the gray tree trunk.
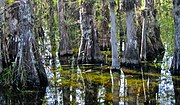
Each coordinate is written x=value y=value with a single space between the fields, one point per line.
x=131 y=55
x=1 y=32
x=115 y=59
x=28 y=70
x=11 y=34
x=176 y=57
x=64 y=46
x=89 y=51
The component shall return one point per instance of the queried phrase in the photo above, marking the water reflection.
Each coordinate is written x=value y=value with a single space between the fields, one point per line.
x=119 y=87
x=166 y=88
x=30 y=97
x=80 y=91
x=98 y=85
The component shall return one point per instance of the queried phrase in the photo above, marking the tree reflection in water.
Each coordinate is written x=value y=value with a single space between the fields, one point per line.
x=94 y=85
x=119 y=87
x=29 y=97
x=166 y=95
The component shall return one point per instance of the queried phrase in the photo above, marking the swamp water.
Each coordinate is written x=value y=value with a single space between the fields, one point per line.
x=152 y=84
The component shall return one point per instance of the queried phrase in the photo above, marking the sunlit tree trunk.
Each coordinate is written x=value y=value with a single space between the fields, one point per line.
x=28 y=70
x=1 y=32
x=143 y=37
x=64 y=46
x=131 y=55
x=89 y=51
x=115 y=61
x=121 y=30
x=151 y=45
x=176 y=56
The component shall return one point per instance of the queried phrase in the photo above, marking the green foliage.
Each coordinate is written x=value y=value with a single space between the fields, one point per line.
x=6 y=76
x=166 y=21
x=11 y=1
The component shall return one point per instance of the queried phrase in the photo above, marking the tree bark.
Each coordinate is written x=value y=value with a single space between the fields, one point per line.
x=52 y=33
x=115 y=59
x=64 y=46
x=143 y=37
x=121 y=30
x=131 y=55
x=103 y=28
x=154 y=46
x=28 y=70
x=89 y=51
x=1 y=32
x=176 y=57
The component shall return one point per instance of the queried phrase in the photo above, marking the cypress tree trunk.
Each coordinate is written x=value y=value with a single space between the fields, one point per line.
x=28 y=70
x=115 y=61
x=131 y=55
x=176 y=57
x=89 y=51
x=121 y=30
x=155 y=48
x=104 y=36
x=1 y=32
x=52 y=33
x=64 y=46
x=150 y=28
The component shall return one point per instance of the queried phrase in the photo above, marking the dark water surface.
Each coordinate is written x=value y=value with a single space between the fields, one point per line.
x=98 y=85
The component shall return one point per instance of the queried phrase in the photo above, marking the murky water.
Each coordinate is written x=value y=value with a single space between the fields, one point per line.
x=70 y=84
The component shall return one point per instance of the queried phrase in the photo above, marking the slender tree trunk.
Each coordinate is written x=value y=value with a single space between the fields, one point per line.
x=131 y=55
x=104 y=36
x=64 y=47
x=176 y=56
x=115 y=59
x=150 y=28
x=143 y=38
x=28 y=70
x=52 y=34
x=89 y=51
x=121 y=30
x=1 y=32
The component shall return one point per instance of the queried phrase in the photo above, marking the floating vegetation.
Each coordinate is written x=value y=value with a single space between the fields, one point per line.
x=97 y=77
x=176 y=78
x=154 y=84
x=135 y=82
x=106 y=52
x=131 y=71
x=178 y=89
x=139 y=73
x=109 y=97
x=152 y=74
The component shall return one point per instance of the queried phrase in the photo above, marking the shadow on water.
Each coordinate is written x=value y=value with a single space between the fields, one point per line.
x=71 y=84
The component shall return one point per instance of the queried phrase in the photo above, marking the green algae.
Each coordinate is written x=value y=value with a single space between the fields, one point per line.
x=139 y=73
x=97 y=77
x=135 y=82
x=131 y=71
x=178 y=89
x=176 y=78
x=106 y=52
x=109 y=97
x=153 y=74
